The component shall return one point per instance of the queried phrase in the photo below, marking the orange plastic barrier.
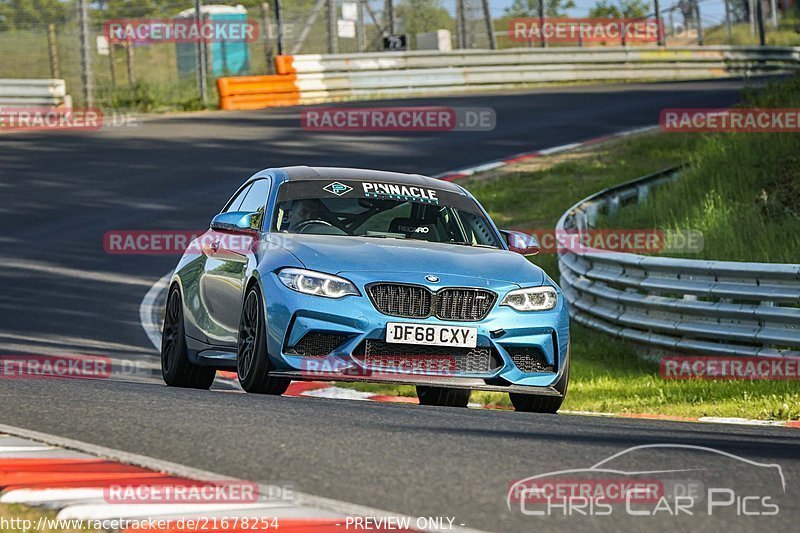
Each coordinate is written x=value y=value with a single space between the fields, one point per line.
x=256 y=92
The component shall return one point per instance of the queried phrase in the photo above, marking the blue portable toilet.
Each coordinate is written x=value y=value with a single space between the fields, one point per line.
x=226 y=57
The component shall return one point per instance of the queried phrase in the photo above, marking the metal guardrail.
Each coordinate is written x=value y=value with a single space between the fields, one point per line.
x=674 y=304
x=318 y=78
x=34 y=93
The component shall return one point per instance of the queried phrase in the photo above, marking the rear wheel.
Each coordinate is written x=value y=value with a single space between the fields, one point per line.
x=252 y=361
x=176 y=369
x=530 y=403
x=443 y=396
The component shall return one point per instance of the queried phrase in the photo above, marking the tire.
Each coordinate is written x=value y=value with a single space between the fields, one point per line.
x=176 y=369
x=530 y=403
x=443 y=396
x=252 y=361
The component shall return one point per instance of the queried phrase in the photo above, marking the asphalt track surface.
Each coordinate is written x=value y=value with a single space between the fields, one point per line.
x=62 y=294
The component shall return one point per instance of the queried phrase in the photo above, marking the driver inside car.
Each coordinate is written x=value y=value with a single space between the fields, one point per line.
x=304 y=213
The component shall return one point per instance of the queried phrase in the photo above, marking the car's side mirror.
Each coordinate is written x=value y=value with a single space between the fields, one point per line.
x=522 y=243
x=242 y=222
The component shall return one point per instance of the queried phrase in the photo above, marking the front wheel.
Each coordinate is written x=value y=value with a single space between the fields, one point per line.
x=252 y=361
x=530 y=403
x=443 y=396
x=176 y=369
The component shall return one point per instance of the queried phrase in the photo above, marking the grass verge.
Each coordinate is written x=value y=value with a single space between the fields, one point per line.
x=607 y=375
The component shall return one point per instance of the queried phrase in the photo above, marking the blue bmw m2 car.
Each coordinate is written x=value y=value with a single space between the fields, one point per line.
x=342 y=274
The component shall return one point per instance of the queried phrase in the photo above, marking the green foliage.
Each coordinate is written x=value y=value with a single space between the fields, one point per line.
x=23 y=14
x=148 y=97
x=741 y=190
x=419 y=16
x=530 y=8
x=623 y=9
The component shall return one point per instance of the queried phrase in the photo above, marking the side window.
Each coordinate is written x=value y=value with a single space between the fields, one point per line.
x=237 y=200
x=256 y=199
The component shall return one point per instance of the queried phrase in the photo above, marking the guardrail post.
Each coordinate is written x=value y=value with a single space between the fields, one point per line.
x=642 y=191
x=613 y=205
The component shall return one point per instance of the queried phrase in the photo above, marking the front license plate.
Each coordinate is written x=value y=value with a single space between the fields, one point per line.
x=404 y=333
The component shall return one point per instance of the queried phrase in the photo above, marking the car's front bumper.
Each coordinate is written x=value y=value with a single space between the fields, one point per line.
x=292 y=315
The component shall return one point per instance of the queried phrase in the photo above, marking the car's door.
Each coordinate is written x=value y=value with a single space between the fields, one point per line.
x=222 y=281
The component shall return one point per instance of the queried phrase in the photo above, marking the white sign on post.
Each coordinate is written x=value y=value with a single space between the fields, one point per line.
x=346 y=29
x=102 y=46
x=350 y=11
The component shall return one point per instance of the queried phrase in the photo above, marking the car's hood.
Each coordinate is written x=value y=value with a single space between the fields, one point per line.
x=335 y=254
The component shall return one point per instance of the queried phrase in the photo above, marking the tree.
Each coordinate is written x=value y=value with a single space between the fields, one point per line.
x=530 y=8
x=629 y=9
x=25 y=14
x=419 y=16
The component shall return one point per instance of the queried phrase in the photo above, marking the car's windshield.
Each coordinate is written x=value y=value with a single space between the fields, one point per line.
x=381 y=210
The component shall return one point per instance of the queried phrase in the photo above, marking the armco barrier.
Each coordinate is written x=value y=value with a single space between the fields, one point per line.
x=323 y=78
x=34 y=93
x=673 y=304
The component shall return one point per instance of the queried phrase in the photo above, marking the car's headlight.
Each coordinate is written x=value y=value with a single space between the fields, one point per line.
x=531 y=299
x=316 y=283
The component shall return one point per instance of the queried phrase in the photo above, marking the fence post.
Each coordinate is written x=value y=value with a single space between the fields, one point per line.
x=487 y=15
x=390 y=23
x=111 y=69
x=279 y=24
x=461 y=39
x=200 y=55
x=728 y=28
x=266 y=28
x=659 y=25
x=762 y=38
x=541 y=23
x=86 y=62
x=361 y=30
x=129 y=64
x=52 y=49
x=332 y=26
x=699 y=23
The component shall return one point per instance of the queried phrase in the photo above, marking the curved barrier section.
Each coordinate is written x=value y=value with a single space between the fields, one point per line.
x=322 y=78
x=674 y=304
